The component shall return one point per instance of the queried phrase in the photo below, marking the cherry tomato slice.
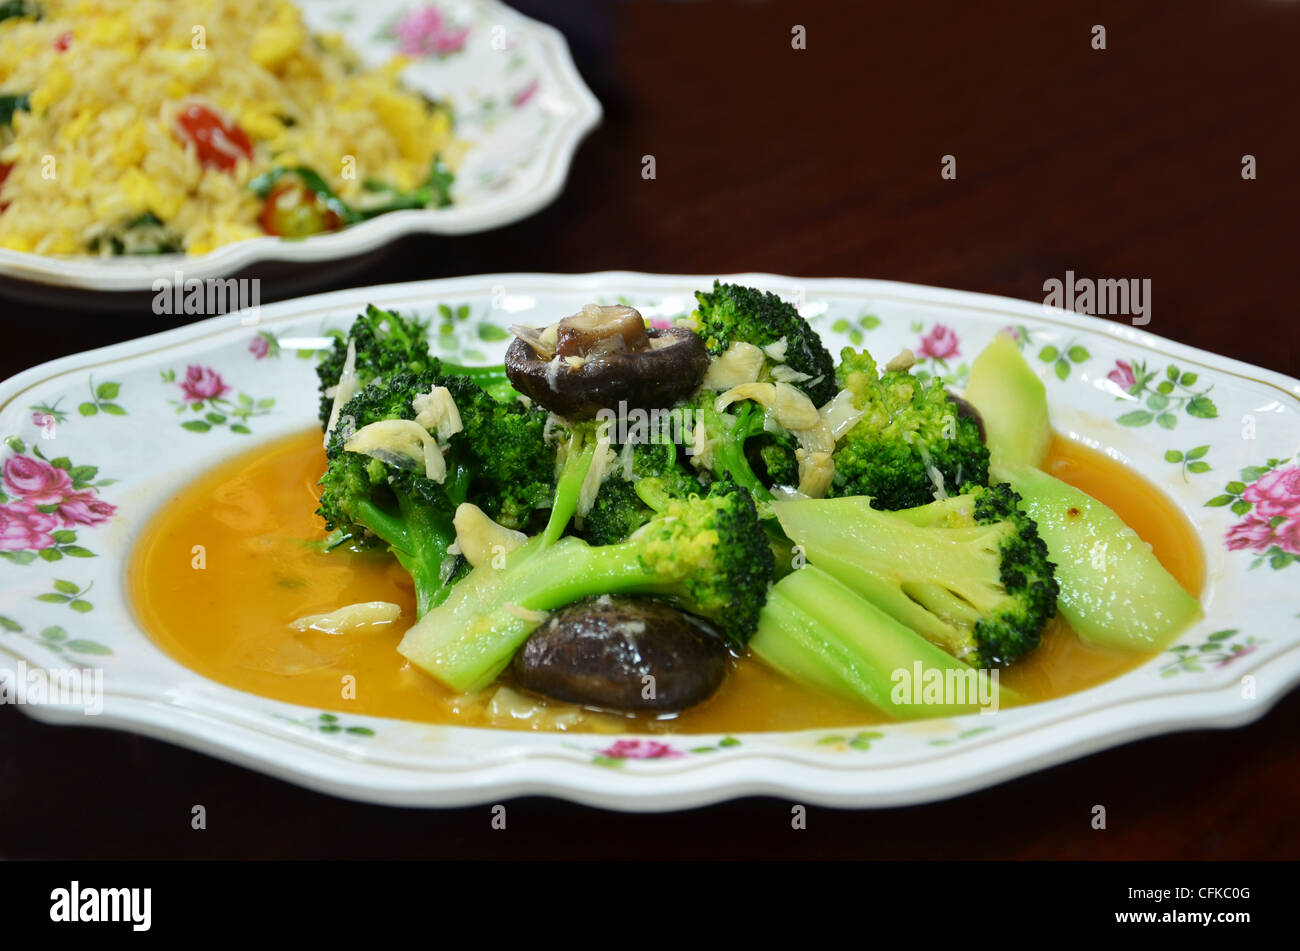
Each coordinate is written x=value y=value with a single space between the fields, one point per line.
x=293 y=211
x=5 y=169
x=221 y=144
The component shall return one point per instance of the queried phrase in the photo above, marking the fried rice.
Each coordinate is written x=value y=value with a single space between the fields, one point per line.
x=98 y=162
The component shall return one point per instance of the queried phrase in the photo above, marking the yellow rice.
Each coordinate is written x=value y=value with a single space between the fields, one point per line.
x=99 y=148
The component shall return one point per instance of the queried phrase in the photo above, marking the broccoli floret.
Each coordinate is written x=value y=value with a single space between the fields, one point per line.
x=643 y=479
x=772 y=455
x=727 y=433
x=514 y=467
x=736 y=314
x=616 y=512
x=707 y=554
x=386 y=343
x=969 y=573
x=370 y=502
x=499 y=461
x=910 y=438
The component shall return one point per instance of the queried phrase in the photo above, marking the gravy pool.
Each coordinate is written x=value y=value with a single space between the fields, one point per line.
x=255 y=518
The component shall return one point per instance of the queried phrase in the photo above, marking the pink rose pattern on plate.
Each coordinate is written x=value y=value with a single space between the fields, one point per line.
x=939 y=344
x=44 y=502
x=640 y=749
x=203 y=383
x=1267 y=498
x=205 y=393
x=620 y=751
x=1122 y=375
x=522 y=97
x=1159 y=396
x=35 y=480
x=46 y=417
x=23 y=527
x=426 y=31
x=935 y=348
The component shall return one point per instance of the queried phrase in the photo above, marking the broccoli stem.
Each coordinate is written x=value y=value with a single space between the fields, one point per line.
x=817 y=631
x=650 y=490
x=729 y=454
x=491 y=379
x=571 y=570
x=418 y=537
x=432 y=533
x=876 y=553
x=577 y=462
x=471 y=637
x=474 y=635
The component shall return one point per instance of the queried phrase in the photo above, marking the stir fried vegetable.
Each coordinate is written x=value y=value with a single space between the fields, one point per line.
x=835 y=521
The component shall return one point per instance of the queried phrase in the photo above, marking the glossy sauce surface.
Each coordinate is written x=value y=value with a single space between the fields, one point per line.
x=254 y=517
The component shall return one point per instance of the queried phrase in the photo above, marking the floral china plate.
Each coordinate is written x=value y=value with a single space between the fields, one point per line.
x=96 y=445
x=519 y=102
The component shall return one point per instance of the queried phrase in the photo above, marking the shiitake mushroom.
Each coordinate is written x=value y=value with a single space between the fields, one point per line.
x=600 y=653
x=602 y=356
x=967 y=410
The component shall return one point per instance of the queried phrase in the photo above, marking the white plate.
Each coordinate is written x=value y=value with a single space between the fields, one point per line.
x=141 y=444
x=517 y=97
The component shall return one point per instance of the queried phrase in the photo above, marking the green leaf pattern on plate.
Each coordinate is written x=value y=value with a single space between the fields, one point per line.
x=56 y=639
x=1163 y=393
x=102 y=399
x=1062 y=359
x=330 y=723
x=1193 y=460
x=1216 y=651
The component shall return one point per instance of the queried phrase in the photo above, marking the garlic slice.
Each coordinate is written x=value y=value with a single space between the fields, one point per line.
x=600 y=466
x=542 y=341
x=346 y=389
x=437 y=412
x=777 y=349
x=479 y=538
x=840 y=414
x=350 y=618
x=815 y=472
x=400 y=442
x=740 y=363
x=793 y=409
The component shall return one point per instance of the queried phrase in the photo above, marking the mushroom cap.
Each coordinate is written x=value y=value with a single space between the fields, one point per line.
x=600 y=652
x=659 y=377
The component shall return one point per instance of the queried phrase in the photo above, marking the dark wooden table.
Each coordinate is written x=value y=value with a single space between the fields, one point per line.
x=1124 y=163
